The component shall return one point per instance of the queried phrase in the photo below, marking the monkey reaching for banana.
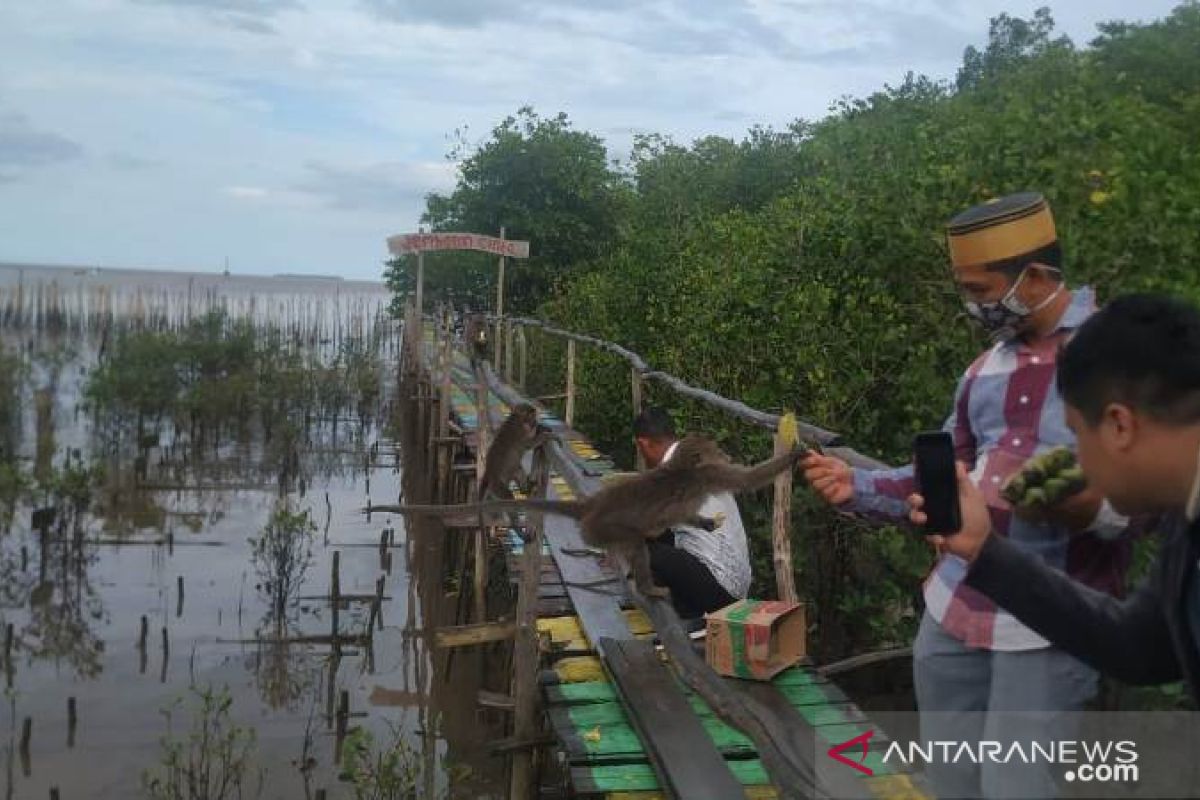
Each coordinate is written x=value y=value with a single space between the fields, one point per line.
x=623 y=515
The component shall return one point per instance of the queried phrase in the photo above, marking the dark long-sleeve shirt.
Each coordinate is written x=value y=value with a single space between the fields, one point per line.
x=1146 y=639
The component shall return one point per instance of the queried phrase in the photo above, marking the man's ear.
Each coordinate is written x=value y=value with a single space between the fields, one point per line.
x=1119 y=426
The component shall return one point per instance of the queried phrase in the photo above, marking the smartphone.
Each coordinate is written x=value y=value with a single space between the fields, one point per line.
x=933 y=456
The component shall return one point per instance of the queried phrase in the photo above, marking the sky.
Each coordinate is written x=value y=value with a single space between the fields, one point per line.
x=296 y=135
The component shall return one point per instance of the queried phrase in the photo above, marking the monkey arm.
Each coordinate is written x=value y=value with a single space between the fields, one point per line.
x=744 y=479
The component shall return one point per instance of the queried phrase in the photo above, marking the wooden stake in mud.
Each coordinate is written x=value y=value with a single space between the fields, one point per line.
x=335 y=592
x=781 y=514
x=525 y=648
x=141 y=645
x=343 y=716
x=26 y=735
x=179 y=596
x=166 y=653
x=377 y=610
x=8 y=659
x=72 y=720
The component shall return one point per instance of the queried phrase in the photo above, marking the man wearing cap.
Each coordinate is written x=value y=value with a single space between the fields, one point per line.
x=972 y=661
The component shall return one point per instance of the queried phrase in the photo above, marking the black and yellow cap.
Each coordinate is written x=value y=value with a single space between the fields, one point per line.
x=1000 y=229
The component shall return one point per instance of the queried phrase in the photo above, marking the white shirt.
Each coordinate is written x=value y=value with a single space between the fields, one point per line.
x=723 y=550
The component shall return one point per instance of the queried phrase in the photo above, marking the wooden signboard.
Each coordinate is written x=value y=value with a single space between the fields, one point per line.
x=406 y=243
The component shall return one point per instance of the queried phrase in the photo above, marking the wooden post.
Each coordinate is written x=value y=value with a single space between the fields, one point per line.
x=525 y=647
x=781 y=528
x=420 y=286
x=508 y=349
x=179 y=596
x=523 y=351
x=482 y=436
x=636 y=385
x=569 y=416
x=499 y=353
x=443 y=450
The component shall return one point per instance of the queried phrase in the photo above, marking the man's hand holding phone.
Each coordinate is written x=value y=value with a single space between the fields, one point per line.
x=976 y=522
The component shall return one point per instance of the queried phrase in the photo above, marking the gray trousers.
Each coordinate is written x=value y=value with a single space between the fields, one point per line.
x=970 y=695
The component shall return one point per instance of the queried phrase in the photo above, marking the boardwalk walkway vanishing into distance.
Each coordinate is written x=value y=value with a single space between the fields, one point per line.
x=632 y=708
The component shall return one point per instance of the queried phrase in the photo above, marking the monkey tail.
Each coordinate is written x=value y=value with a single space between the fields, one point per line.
x=566 y=508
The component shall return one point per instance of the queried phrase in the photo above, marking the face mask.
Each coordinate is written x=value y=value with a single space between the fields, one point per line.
x=1002 y=319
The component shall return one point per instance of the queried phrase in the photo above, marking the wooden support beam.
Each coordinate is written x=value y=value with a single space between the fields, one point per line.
x=477 y=633
x=494 y=699
x=569 y=415
x=525 y=649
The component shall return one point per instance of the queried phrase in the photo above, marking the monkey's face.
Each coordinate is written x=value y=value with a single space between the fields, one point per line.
x=527 y=415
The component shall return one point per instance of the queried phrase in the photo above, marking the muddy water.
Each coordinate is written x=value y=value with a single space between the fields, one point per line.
x=76 y=617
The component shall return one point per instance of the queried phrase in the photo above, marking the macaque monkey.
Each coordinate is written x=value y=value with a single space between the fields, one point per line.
x=519 y=433
x=622 y=515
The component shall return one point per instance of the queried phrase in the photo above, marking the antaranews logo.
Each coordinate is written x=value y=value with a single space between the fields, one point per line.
x=860 y=741
x=1085 y=761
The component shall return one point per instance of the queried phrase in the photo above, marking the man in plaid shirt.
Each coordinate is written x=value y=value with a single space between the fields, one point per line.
x=970 y=657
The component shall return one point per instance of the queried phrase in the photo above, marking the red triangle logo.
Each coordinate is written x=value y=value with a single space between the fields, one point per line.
x=835 y=752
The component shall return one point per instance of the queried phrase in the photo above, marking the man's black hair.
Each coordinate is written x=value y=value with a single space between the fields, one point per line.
x=1142 y=350
x=654 y=423
x=1050 y=255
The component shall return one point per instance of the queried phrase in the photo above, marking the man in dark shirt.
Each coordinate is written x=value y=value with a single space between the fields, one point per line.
x=1130 y=379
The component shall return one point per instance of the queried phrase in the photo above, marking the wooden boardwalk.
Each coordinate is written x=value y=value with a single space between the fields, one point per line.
x=628 y=725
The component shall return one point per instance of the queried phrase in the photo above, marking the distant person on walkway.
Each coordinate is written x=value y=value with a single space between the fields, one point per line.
x=1131 y=382
x=970 y=657
x=705 y=570
x=476 y=336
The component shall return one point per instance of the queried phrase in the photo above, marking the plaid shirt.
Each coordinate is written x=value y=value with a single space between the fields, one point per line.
x=1006 y=410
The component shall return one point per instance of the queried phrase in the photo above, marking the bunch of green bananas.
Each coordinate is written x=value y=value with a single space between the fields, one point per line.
x=1045 y=480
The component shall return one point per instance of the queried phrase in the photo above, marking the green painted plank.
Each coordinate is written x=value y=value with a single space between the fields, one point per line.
x=832 y=714
x=800 y=686
x=640 y=777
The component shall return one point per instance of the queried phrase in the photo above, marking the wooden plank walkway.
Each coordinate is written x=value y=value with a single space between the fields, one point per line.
x=623 y=739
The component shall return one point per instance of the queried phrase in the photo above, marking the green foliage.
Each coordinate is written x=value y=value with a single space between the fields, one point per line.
x=543 y=182
x=218 y=373
x=393 y=772
x=282 y=553
x=213 y=762
x=806 y=269
x=13 y=373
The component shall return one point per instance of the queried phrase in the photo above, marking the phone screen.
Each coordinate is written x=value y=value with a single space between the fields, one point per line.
x=933 y=456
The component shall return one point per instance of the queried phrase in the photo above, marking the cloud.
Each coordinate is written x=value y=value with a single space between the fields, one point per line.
x=246 y=16
x=246 y=24
x=384 y=186
x=247 y=192
x=254 y=8
x=476 y=13
x=24 y=147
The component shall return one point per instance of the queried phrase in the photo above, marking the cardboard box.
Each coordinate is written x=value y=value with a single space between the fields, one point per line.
x=755 y=639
